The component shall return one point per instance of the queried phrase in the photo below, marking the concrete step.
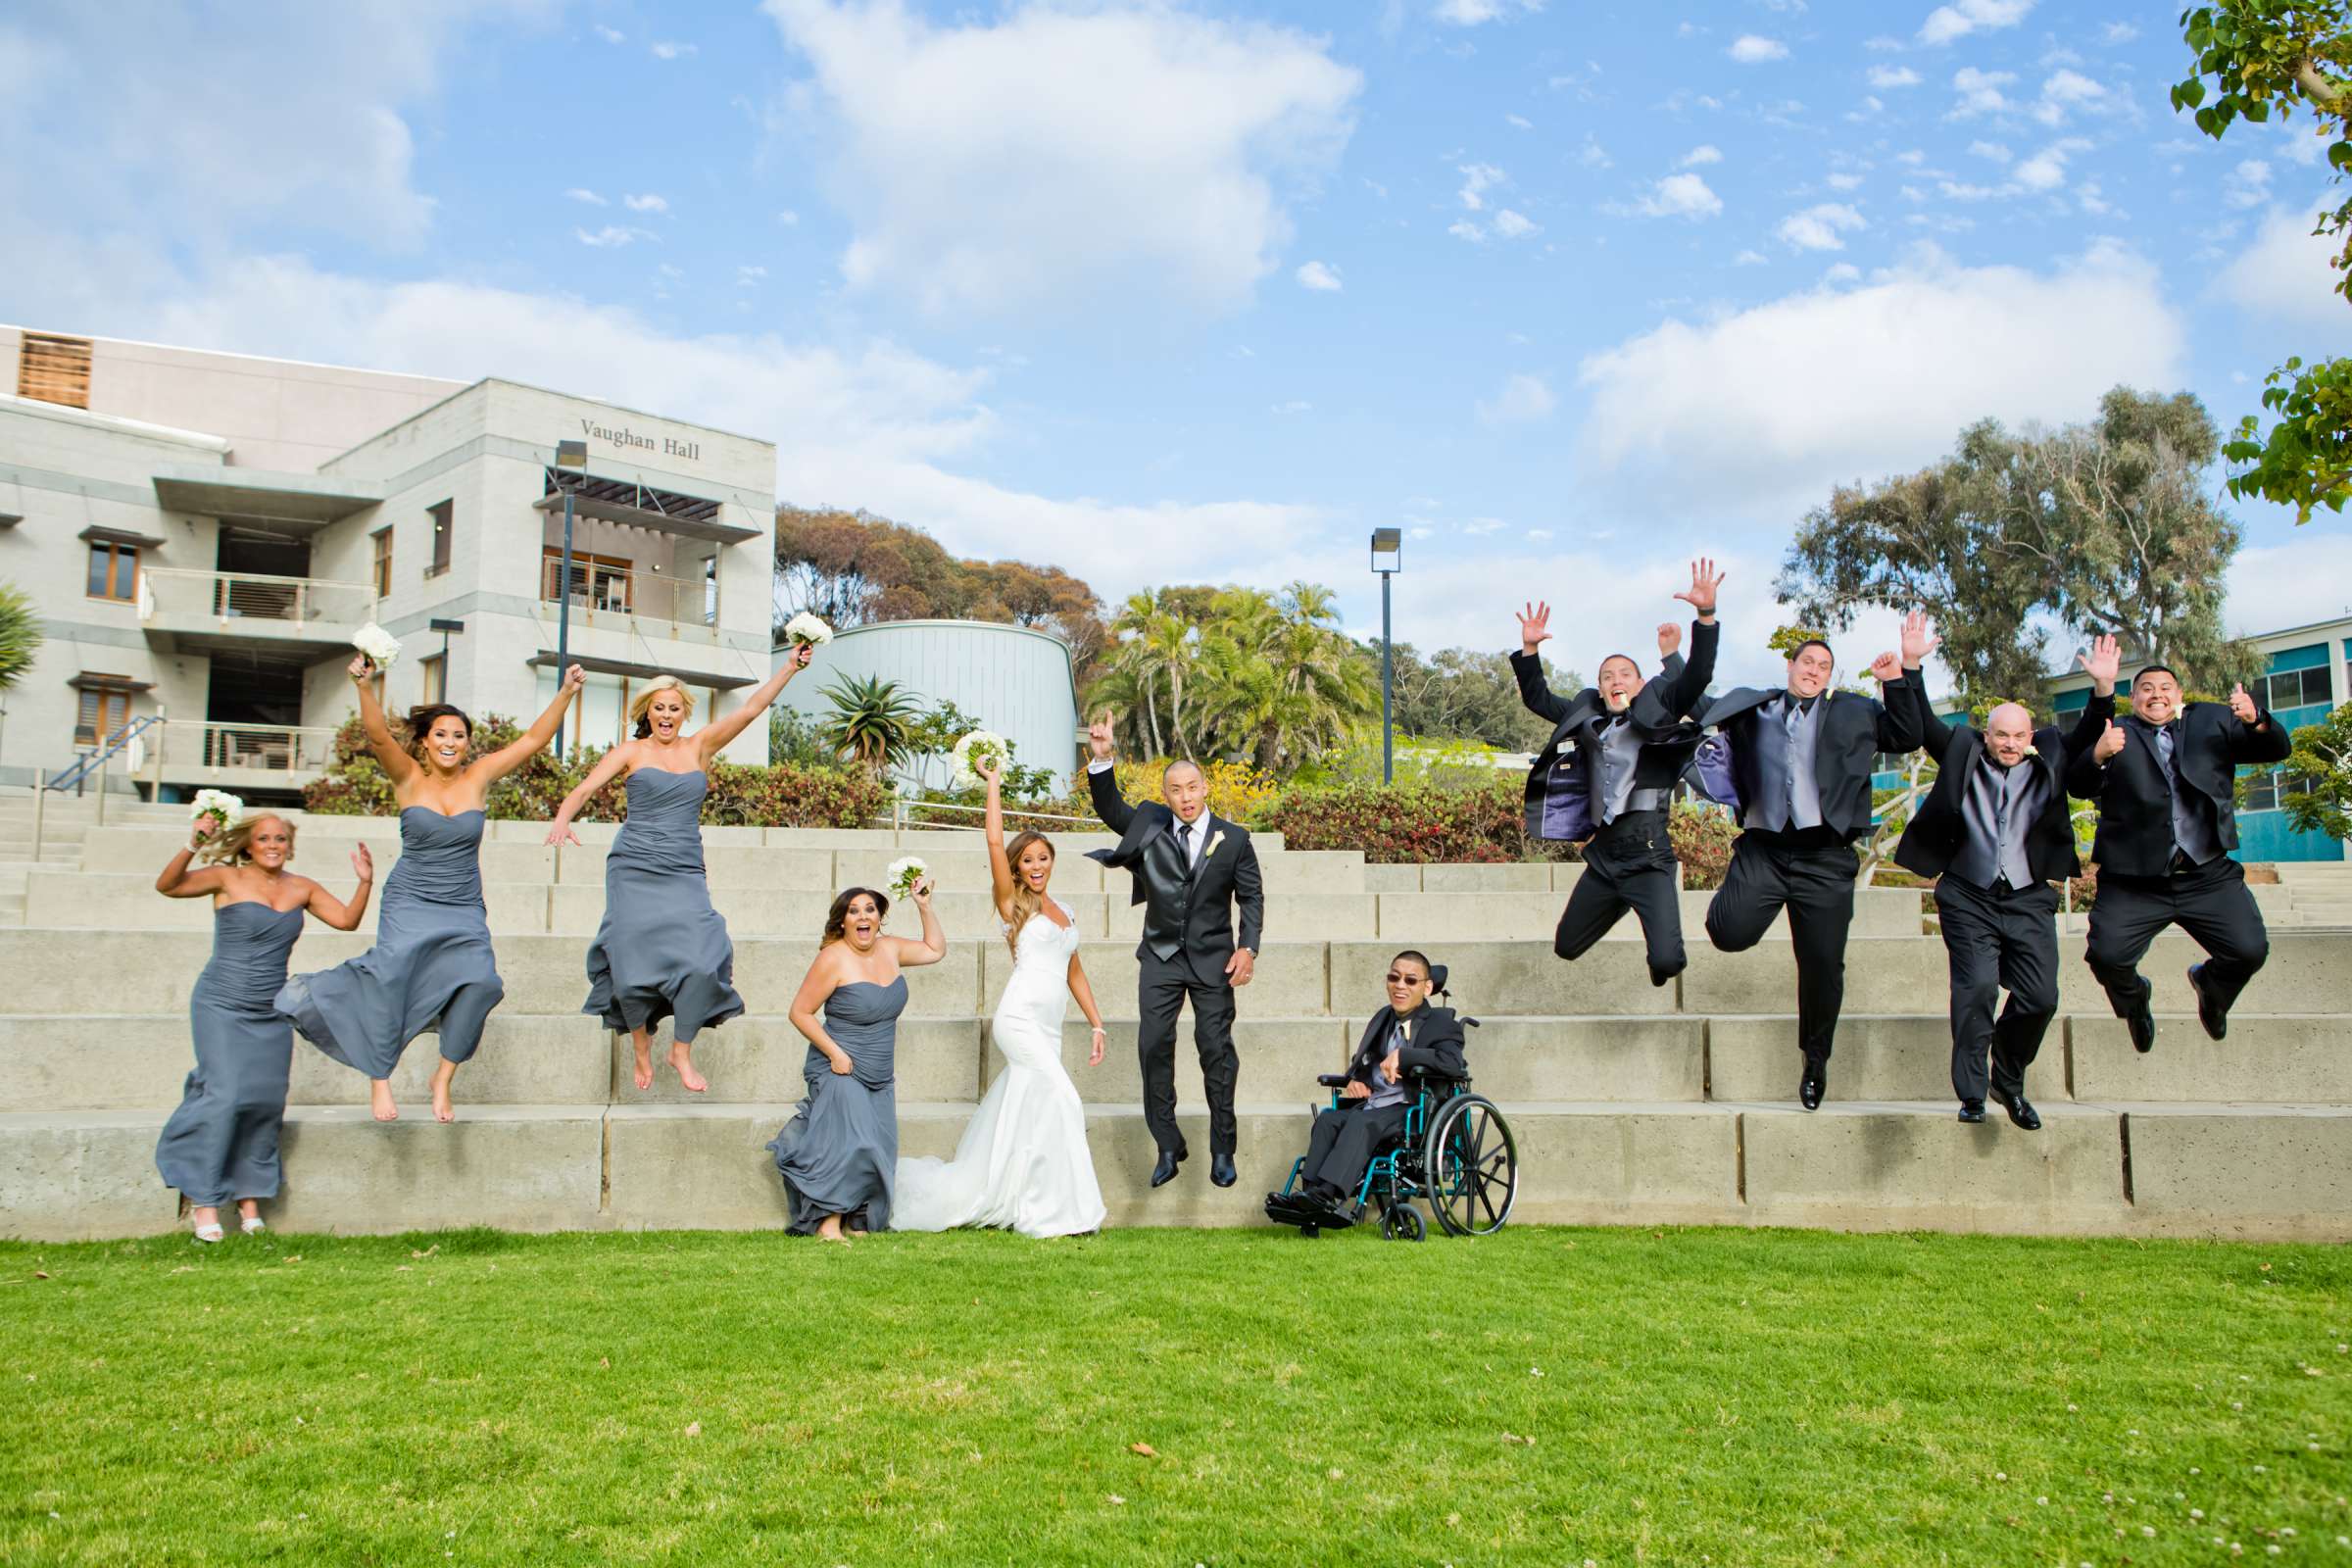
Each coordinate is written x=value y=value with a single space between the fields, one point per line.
x=2273 y=1173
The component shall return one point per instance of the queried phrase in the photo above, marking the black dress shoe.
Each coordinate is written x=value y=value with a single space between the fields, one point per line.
x=1220 y=1170
x=1814 y=1084
x=1165 y=1171
x=1972 y=1110
x=2212 y=1014
x=1293 y=1209
x=2142 y=1020
x=2021 y=1109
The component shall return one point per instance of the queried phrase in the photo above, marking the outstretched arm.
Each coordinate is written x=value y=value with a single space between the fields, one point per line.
x=712 y=738
x=176 y=881
x=934 y=945
x=2102 y=662
x=1535 y=629
x=2256 y=737
x=612 y=762
x=511 y=756
x=1000 y=871
x=345 y=914
x=1103 y=779
x=397 y=764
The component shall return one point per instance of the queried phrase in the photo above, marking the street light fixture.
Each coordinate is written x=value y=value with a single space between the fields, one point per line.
x=571 y=456
x=1387 y=553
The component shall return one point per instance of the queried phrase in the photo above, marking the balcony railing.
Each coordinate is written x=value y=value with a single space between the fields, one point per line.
x=228 y=597
x=190 y=745
x=598 y=590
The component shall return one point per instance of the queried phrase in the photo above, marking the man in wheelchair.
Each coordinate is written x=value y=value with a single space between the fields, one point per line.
x=1407 y=1037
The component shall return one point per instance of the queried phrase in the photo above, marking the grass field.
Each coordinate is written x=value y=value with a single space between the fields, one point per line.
x=1546 y=1396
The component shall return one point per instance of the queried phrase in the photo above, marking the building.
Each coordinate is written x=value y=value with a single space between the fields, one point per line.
x=205 y=532
x=1015 y=680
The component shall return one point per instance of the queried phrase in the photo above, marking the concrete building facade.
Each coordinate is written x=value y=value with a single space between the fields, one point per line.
x=204 y=532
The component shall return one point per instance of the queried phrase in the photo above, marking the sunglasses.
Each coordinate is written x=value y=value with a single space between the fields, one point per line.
x=1396 y=979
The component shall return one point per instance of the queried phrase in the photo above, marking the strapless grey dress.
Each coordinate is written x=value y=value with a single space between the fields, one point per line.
x=661 y=951
x=840 y=1152
x=221 y=1144
x=431 y=960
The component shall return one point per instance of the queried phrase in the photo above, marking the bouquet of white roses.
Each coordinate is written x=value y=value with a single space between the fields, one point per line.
x=978 y=744
x=218 y=805
x=805 y=630
x=904 y=874
x=379 y=645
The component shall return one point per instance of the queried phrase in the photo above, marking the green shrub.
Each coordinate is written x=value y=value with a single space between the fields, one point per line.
x=1413 y=823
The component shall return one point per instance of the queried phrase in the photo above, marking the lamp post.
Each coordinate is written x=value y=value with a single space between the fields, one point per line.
x=571 y=456
x=1387 y=551
x=446 y=628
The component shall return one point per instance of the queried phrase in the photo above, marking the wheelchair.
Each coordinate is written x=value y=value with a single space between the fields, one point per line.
x=1456 y=1154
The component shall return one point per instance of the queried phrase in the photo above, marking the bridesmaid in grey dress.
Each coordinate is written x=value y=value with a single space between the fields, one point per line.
x=222 y=1143
x=431 y=966
x=840 y=1152
x=662 y=951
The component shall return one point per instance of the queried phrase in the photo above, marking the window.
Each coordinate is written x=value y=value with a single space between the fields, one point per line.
x=2266 y=790
x=444 y=518
x=597 y=582
x=103 y=712
x=114 y=571
x=383 y=562
x=55 y=369
x=710 y=591
x=434 y=669
x=2298 y=688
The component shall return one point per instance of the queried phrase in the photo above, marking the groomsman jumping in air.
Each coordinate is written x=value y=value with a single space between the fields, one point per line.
x=1994 y=832
x=1801 y=759
x=2164 y=779
x=1607 y=774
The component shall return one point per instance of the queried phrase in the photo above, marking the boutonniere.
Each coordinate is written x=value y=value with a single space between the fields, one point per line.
x=1215 y=839
x=2033 y=751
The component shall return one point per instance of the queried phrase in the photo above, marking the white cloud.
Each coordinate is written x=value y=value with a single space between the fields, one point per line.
x=1470 y=12
x=2120 y=32
x=578 y=194
x=1051 y=156
x=1751 y=259
x=746 y=276
x=1964 y=17
x=646 y=203
x=789 y=218
x=1701 y=155
x=1519 y=121
x=1777 y=403
x=1515 y=226
x=666 y=49
x=2282 y=274
x=1522 y=400
x=1994 y=150
x=2290 y=584
x=2046 y=169
x=1593 y=155
x=609 y=34
x=1817 y=228
x=2249 y=184
x=1980 y=91
x=1751 y=50
x=2066 y=92
x=1463 y=229
x=1477 y=181
x=1887 y=77
x=1680 y=196
x=1320 y=277
x=1843 y=181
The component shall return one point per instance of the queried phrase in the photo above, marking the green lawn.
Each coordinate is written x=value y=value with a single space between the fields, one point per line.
x=1546 y=1396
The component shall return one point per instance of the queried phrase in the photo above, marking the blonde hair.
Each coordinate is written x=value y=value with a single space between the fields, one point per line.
x=234 y=845
x=639 y=722
x=1027 y=901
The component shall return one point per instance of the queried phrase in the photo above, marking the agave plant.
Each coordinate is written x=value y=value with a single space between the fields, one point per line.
x=873 y=721
x=20 y=634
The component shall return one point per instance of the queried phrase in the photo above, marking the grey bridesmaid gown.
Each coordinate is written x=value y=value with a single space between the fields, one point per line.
x=221 y=1144
x=840 y=1152
x=661 y=951
x=431 y=960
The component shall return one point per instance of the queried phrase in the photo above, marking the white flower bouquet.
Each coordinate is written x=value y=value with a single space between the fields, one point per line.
x=978 y=744
x=379 y=645
x=904 y=874
x=805 y=630
x=218 y=805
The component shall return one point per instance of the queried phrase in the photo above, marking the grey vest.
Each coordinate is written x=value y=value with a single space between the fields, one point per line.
x=1789 y=796
x=1999 y=811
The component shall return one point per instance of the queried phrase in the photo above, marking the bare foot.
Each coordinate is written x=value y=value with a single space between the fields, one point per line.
x=206 y=1223
x=442 y=1110
x=644 y=1045
x=681 y=1057
x=829 y=1230
x=379 y=1100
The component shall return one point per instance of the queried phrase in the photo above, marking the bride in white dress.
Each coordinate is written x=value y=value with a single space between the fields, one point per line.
x=1023 y=1164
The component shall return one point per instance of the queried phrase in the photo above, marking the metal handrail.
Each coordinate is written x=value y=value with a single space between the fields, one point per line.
x=899 y=807
x=642 y=595
x=255 y=596
x=221 y=746
x=97 y=757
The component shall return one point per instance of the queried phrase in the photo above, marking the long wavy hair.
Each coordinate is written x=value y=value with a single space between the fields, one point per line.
x=837 y=919
x=1026 y=902
x=234 y=844
x=642 y=708
x=420 y=723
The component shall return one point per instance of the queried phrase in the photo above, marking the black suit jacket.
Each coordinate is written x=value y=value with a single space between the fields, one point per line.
x=2135 y=808
x=1852 y=733
x=1189 y=908
x=1938 y=830
x=1434 y=1046
x=1661 y=714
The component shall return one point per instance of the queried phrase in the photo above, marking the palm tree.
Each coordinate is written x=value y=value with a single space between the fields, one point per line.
x=873 y=721
x=20 y=634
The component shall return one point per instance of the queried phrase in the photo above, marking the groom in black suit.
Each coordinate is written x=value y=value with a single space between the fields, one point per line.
x=1802 y=758
x=1190 y=867
x=1994 y=833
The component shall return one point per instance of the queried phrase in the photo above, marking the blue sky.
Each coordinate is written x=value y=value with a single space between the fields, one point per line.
x=1207 y=291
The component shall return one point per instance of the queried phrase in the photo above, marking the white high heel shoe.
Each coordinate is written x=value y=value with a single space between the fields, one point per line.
x=252 y=1225
x=209 y=1233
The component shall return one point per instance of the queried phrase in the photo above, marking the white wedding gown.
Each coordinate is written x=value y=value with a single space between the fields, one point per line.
x=1022 y=1163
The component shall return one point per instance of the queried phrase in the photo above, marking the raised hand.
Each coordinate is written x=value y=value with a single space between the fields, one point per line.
x=987 y=767
x=1704 y=581
x=2103 y=662
x=363 y=863
x=2241 y=703
x=1670 y=638
x=574 y=677
x=802 y=652
x=1097 y=737
x=1918 y=640
x=1534 y=627
x=921 y=892
x=2110 y=741
x=360 y=667
x=1888 y=666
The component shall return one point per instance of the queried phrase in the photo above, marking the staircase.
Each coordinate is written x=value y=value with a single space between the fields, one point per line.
x=1630 y=1103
